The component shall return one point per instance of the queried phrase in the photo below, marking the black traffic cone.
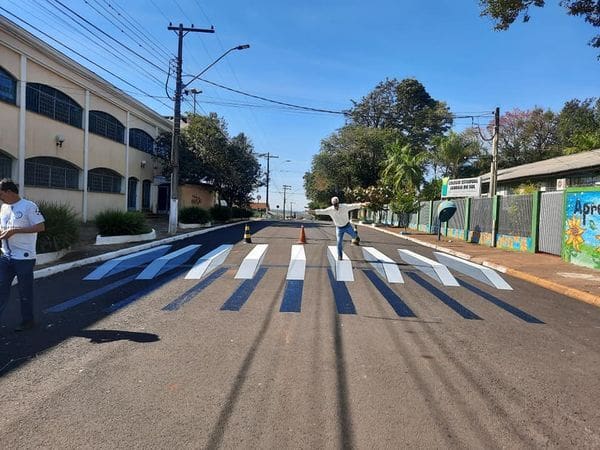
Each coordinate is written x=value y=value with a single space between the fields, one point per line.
x=247 y=234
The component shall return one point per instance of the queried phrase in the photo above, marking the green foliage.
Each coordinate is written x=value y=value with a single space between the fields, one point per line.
x=453 y=152
x=351 y=157
x=527 y=188
x=220 y=213
x=121 y=223
x=194 y=214
x=62 y=227
x=432 y=190
x=403 y=168
x=505 y=12
x=405 y=202
x=240 y=213
x=404 y=106
x=579 y=125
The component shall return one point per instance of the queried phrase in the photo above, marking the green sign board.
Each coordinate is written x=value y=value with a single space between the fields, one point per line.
x=581 y=237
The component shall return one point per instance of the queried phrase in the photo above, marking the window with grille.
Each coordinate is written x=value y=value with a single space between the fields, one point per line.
x=104 y=124
x=51 y=173
x=104 y=180
x=52 y=103
x=8 y=87
x=5 y=167
x=141 y=140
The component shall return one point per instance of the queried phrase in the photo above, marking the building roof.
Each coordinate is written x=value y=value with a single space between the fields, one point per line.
x=553 y=166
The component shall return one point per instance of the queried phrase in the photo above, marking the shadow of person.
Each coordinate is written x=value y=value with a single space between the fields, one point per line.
x=104 y=336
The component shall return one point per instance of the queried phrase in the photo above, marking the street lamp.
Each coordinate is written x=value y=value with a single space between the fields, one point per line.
x=179 y=87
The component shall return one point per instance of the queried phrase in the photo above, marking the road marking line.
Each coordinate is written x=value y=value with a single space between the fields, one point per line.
x=342 y=270
x=209 y=262
x=297 y=266
x=481 y=273
x=383 y=264
x=502 y=304
x=88 y=296
x=401 y=308
x=445 y=298
x=292 y=296
x=429 y=267
x=243 y=292
x=191 y=293
x=126 y=262
x=251 y=262
x=168 y=262
x=343 y=300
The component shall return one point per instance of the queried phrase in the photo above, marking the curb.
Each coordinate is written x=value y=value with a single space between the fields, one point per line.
x=46 y=272
x=576 y=294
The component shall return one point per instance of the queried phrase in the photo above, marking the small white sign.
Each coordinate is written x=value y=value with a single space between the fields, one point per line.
x=462 y=187
x=561 y=184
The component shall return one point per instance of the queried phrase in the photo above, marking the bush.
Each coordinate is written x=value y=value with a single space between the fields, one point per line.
x=62 y=227
x=241 y=213
x=194 y=214
x=119 y=223
x=220 y=213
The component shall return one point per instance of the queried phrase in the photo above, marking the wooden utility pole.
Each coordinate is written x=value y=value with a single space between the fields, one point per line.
x=285 y=189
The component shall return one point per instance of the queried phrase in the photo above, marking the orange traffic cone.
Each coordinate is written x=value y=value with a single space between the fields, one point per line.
x=247 y=234
x=302 y=236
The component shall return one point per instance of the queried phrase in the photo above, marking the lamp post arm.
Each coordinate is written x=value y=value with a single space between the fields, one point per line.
x=239 y=47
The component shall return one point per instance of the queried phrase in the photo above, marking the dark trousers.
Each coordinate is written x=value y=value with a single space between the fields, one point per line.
x=23 y=270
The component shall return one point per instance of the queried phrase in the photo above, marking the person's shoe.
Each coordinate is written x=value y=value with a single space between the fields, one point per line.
x=356 y=241
x=27 y=325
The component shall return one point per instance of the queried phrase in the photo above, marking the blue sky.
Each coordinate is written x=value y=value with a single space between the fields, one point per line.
x=323 y=54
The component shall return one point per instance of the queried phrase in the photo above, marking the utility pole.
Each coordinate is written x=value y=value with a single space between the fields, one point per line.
x=291 y=211
x=181 y=32
x=268 y=156
x=194 y=92
x=285 y=189
x=494 y=168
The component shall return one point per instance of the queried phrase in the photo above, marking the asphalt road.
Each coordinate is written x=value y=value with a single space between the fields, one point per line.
x=417 y=365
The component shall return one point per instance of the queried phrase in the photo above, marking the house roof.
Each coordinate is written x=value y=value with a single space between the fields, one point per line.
x=553 y=166
x=258 y=205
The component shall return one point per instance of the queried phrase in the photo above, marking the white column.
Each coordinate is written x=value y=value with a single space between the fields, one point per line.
x=127 y=160
x=86 y=150
x=22 y=109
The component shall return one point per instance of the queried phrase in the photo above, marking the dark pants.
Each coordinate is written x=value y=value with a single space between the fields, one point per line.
x=23 y=270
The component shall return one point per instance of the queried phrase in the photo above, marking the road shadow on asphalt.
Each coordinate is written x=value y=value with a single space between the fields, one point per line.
x=53 y=328
x=104 y=336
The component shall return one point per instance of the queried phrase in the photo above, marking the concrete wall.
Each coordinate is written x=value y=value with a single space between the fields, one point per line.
x=193 y=195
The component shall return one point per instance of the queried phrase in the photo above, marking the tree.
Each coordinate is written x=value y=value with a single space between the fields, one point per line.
x=579 y=125
x=242 y=174
x=505 y=12
x=454 y=151
x=351 y=157
x=403 y=168
x=406 y=107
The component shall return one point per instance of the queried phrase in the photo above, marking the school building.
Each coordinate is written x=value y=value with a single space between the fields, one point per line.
x=69 y=136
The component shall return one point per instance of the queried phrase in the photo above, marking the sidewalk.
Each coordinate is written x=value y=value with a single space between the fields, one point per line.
x=547 y=271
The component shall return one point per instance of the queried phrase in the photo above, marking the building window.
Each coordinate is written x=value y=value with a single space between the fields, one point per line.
x=141 y=140
x=146 y=187
x=5 y=166
x=8 y=87
x=106 y=125
x=51 y=173
x=52 y=103
x=104 y=180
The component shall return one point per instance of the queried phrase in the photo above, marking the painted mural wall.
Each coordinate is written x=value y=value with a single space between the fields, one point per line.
x=581 y=243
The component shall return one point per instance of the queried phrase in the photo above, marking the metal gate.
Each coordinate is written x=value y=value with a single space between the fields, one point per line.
x=551 y=226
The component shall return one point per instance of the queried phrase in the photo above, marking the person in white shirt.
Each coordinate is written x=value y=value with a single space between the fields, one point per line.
x=340 y=214
x=20 y=222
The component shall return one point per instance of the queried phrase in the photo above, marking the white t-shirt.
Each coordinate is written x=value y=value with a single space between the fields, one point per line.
x=21 y=214
x=341 y=215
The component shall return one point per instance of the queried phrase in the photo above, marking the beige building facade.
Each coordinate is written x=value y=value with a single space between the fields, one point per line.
x=69 y=136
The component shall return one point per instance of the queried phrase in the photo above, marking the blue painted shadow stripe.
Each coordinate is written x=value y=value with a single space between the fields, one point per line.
x=502 y=304
x=132 y=298
x=343 y=300
x=243 y=292
x=391 y=297
x=445 y=298
x=191 y=293
x=292 y=297
x=89 y=296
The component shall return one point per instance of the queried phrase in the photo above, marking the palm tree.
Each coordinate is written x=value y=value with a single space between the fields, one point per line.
x=403 y=168
x=453 y=151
